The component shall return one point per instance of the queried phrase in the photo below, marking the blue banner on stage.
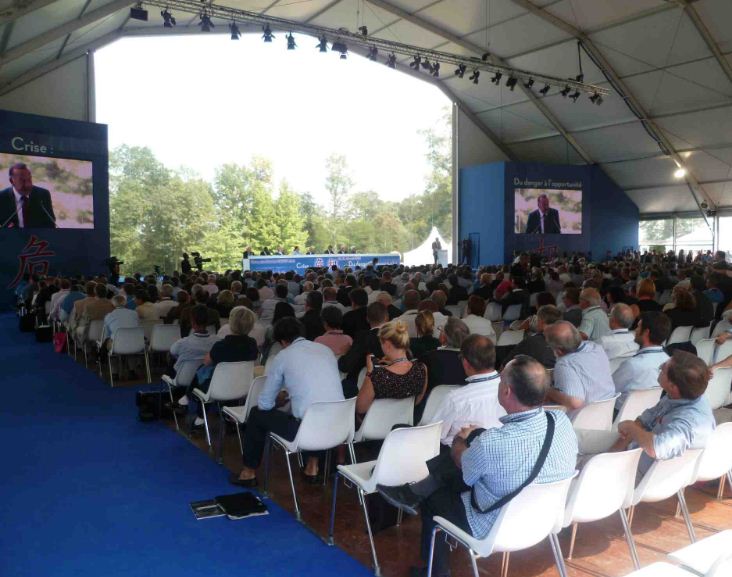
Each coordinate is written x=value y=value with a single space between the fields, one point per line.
x=303 y=262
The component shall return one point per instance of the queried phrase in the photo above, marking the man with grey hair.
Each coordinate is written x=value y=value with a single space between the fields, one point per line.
x=536 y=346
x=582 y=371
x=620 y=342
x=594 y=323
x=166 y=302
x=119 y=318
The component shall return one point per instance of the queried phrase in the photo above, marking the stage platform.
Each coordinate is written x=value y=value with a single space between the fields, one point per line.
x=284 y=263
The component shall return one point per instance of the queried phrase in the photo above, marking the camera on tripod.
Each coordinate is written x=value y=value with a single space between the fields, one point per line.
x=198 y=260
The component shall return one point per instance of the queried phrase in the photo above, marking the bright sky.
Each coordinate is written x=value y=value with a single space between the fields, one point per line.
x=204 y=100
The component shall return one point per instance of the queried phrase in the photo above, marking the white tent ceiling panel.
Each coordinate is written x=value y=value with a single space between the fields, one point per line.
x=612 y=143
x=524 y=112
x=519 y=35
x=700 y=128
x=594 y=14
x=709 y=165
x=720 y=192
x=44 y=19
x=667 y=199
x=347 y=14
x=559 y=60
x=18 y=66
x=515 y=123
x=717 y=15
x=99 y=28
x=461 y=16
x=583 y=114
x=411 y=6
x=646 y=172
x=554 y=150
x=300 y=11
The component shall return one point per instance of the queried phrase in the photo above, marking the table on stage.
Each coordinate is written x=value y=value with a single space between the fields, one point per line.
x=300 y=263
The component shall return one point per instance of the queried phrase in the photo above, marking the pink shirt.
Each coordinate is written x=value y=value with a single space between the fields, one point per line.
x=336 y=341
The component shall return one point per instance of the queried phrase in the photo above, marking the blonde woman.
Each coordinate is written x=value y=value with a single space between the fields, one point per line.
x=395 y=376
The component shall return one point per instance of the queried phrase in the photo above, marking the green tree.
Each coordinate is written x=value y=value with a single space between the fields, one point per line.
x=288 y=221
x=338 y=184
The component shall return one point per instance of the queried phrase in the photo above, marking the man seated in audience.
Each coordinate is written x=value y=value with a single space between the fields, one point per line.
x=301 y=387
x=306 y=288
x=582 y=370
x=410 y=302
x=518 y=295
x=330 y=298
x=58 y=298
x=595 y=324
x=355 y=320
x=119 y=318
x=166 y=302
x=366 y=343
x=67 y=303
x=311 y=319
x=620 y=342
x=78 y=310
x=144 y=308
x=183 y=301
x=488 y=465
x=641 y=371
x=475 y=321
x=334 y=338
x=572 y=309
x=200 y=297
x=385 y=299
x=477 y=401
x=266 y=312
x=536 y=346
x=95 y=310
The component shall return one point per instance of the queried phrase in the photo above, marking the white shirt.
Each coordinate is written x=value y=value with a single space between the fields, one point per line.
x=619 y=343
x=56 y=300
x=639 y=372
x=594 y=323
x=163 y=307
x=475 y=403
x=480 y=326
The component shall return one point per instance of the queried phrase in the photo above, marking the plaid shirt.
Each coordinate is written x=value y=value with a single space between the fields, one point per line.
x=500 y=460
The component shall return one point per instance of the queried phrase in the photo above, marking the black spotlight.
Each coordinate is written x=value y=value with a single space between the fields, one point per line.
x=529 y=83
x=373 y=53
x=460 y=70
x=511 y=83
x=485 y=56
x=416 y=62
x=391 y=60
x=596 y=99
x=137 y=12
x=322 y=44
x=496 y=78
x=339 y=46
x=363 y=30
x=205 y=23
x=427 y=65
x=475 y=76
x=544 y=91
x=575 y=95
x=436 y=70
x=267 y=33
x=291 y=45
x=168 y=19
x=235 y=32
x=565 y=91
x=580 y=77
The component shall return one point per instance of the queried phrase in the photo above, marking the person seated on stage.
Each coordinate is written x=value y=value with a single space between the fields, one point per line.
x=425 y=342
x=301 y=387
x=535 y=346
x=355 y=320
x=476 y=402
x=266 y=311
x=296 y=251
x=329 y=250
x=475 y=321
x=487 y=465
x=395 y=376
x=595 y=324
x=572 y=309
x=620 y=342
x=582 y=371
x=145 y=310
x=119 y=318
x=641 y=371
x=410 y=302
x=333 y=337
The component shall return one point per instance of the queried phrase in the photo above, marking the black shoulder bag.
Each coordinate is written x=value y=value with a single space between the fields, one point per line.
x=534 y=472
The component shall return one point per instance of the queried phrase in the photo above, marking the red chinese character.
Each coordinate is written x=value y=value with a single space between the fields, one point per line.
x=32 y=259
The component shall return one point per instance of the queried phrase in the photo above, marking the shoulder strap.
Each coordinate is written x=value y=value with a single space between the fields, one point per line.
x=530 y=479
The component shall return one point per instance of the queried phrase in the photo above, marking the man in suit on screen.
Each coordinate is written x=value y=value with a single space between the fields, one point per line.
x=23 y=205
x=543 y=220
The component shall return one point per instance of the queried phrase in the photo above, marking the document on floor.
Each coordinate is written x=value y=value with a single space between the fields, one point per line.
x=206 y=509
x=241 y=505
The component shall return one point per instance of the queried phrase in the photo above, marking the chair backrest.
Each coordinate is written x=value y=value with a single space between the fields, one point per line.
x=404 y=454
x=184 y=375
x=382 y=415
x=128 y=341
x=722 y=566
x=231 y=381
x=699 y=333
x=95 y=331
x=147 y=327
x=705 y=350
x=273 y=352
x=723 y=351
x=163 y=337
x=615 y=362
x=509 y=338
x=327 y=425
x=718 y=388
x=605 y=484
x=595 y=416
x=717 y=457
x=454 y=309
x=361 y=377
x=253 y=396
x=721 y=327
x=636 y=402
x=665 y=478
x=528 y=518
x=680 y=335
x=513 y=313
x=434 y=400
x=493 y=312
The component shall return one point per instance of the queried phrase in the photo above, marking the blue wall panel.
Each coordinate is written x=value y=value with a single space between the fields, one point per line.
x=481 y=209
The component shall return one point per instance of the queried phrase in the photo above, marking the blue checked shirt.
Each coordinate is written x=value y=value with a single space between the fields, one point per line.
x=500 y=460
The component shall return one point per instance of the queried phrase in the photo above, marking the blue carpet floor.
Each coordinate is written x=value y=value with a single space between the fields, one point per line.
x=87 y=490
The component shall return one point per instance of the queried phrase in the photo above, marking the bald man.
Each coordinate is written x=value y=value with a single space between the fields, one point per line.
x=620 y=342
x=595 y=324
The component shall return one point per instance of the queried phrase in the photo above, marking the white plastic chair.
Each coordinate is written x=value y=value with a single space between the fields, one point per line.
x=402 y=459
x=716 y=461
x=666 y=478
x=635 y=403
x=605 y=486
x=147 y=327
x=128 y=342
x=162 y=337
x=434 y=400
x=326 y=425
x=454 y=309
x=709 y=555
x=513 y=313
x=680 y=335
x=615 y=362
x=493 y=312
x=721 y=327
x=718 y=388
x=381 y=417
x=229 y=382
x=662 y=569
x=509 y=338
x=240 y=414
x=723 y=351
x=93 y=336
x=183 y=378
x=699 y=333
x=705 y=349
x=535 y=514
x=361 y=377
x=595 y=416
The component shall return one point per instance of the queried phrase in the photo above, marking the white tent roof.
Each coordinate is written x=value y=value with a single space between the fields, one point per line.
x=423 y=253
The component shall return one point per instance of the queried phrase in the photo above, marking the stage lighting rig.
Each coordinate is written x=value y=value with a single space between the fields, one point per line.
x=596 y=99
x=168 y=19
x=460 y=70
x=511 y=83
x=235 y=32
x=205 y=22
x=574 y=96
x=544 y=91
x=291 y=45
x=414 y=64
x=391 y=60
x=475 y=76
x=497 y=78
x=267 y=35
x=340 y=46
x=363 y=30
x=373 y=53
x=137 y=12
x=322 y=45
x=436 y=70
x=529 y=83
x=426 y=64
x=565 y=91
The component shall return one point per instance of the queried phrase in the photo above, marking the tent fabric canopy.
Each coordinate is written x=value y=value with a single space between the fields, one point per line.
x=423 y=253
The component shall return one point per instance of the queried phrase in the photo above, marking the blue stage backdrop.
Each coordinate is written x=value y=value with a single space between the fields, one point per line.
x=303 y=262
x=605 y=220
x=70 y=233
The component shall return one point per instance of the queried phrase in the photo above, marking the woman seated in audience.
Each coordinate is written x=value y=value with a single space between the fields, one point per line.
x=395 y=376
x=173 y=315
x=281 y=311
x=333 y=338
x=646 y=293
x=424 y=342
x=253 y=296
x=683 y=312
x=224 y=303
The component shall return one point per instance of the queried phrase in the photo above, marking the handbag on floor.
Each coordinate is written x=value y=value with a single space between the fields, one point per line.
x=44 y=333
x=59 y=342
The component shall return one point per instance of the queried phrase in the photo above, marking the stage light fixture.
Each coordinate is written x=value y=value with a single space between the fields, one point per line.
x=575 y=95
x=168 y=19
x=322 y=44
x=475 y=76
x=596 y=99
x=291 y=45
x=565 y=91
x=205 y=22
x=580 y=77
x=137 y=12
x=544 y=91
x=235 y=32
x=373 y=53
x=436 y=70
x=460 y=70
x=363 y=30
x=485 y=56
x=391 y=60
x=267 y=35
x=529 y=83
x=680 y=172
x=426 y=64
x=414 y=64
x=339 y=46
x=497 y=78
x=511 y=83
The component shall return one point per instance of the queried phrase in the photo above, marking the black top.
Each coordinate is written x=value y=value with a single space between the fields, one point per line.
x=313 y=324
x=444 y=368
x=365 y=343
x=422 y=345
x=685 y=318
x=355 y=321
x=388 y=385
x=535 y=347
x=234 y=349
x=648 y=305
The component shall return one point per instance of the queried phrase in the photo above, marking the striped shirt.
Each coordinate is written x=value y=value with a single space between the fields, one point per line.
x=639 y=372
x=585 y=374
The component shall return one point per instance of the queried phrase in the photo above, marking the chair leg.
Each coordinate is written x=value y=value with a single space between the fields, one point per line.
x=720 y=490
x=238 y=436
x=330 y=540
x=205 y=424
x=687 y=517
x=377 y=569
x=629 y=539
x=326 y=466
x=631 y=513
x=172 y=406
x=505 y=559
x=147 y=367
x=267 y=460
x=111 y=378
x=298 y=515
x=474 y=564
x=222 y=436
x=558 y=559
x=86 y=355
x=571 y=540
x=400 y=514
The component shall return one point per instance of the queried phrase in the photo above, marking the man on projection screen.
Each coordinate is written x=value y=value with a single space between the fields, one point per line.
x=23 y=205
x=543 y=220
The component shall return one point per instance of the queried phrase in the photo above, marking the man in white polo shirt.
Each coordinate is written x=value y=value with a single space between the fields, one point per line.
x=595 y=324
x=620 y=342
